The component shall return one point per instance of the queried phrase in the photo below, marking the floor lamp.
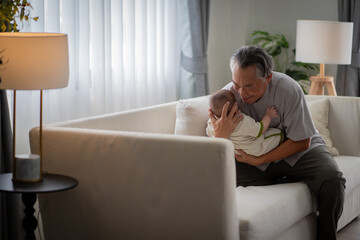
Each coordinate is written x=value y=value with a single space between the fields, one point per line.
x=32 y=61
x=323 y=42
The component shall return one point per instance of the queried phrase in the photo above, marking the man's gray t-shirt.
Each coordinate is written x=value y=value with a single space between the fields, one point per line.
x=293 y=118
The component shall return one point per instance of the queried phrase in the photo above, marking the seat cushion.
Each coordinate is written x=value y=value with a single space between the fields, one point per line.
x=266 y=211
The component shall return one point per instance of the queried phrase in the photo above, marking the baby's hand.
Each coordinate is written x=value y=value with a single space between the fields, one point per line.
x=271 y=112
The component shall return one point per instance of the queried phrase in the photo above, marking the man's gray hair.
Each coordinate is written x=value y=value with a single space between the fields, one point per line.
x=251 y=55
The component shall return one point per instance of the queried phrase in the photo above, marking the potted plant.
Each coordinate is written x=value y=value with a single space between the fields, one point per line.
x=278 y=47
x=12 y=13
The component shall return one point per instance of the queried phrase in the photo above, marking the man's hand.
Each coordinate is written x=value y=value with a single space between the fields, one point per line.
x=226 y=124
x=243 y=157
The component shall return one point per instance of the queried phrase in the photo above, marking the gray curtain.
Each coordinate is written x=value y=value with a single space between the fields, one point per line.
x=10 y=204
x=348 y=76
x=199 y=28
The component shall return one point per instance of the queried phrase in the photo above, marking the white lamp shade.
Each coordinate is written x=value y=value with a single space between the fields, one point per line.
x=33 y=61
x=327 y=42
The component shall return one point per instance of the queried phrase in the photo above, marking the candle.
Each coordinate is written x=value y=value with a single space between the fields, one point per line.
x=28 y=167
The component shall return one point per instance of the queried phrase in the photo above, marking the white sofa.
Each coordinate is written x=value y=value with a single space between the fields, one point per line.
x=138 y=180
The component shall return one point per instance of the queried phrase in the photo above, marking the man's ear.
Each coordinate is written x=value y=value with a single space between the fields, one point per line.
x=268 y=78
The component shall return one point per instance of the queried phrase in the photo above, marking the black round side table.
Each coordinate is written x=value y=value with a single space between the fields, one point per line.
x=50 y=183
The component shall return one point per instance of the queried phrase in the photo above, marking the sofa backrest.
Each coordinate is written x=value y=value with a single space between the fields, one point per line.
x=344 y=123
x=188 y=117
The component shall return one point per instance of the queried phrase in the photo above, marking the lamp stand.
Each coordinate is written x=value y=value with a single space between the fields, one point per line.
x=26 y=167
x=319 y=82
x=14 y=178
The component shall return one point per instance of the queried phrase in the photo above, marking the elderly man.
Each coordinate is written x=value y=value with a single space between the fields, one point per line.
x=302 y=156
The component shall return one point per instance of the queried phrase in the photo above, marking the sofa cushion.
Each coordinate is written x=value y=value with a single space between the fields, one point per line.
x=265 y=205
x=192 y=116
x=319 y=111
x=261 y=209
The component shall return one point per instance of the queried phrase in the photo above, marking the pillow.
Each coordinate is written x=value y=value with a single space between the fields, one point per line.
x=319 y=110
x=192 y=116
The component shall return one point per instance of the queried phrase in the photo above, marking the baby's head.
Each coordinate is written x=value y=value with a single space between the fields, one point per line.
x=218 y=99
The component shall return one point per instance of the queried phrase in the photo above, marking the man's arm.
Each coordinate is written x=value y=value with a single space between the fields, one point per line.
x=286 y=149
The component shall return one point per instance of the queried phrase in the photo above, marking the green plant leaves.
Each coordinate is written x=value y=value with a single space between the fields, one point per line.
x=256 y=32
x=296 y=74
x=308 y=66
x=273 y=44
x=13 y=12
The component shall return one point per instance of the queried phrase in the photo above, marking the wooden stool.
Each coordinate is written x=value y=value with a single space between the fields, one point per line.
x=319 y=82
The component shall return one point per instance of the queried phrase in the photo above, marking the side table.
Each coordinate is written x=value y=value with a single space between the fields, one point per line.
x=50 y=183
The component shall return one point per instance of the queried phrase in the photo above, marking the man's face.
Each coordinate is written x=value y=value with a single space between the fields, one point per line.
x=247 y=84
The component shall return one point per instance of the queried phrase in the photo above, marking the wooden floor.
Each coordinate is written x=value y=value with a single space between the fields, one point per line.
x=351 y=231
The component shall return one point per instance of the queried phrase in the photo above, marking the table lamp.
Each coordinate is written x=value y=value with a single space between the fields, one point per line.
x=32 y=61
x=324 y=42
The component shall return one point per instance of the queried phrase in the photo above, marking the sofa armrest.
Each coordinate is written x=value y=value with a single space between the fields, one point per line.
x=153 y=119
x=138 y=186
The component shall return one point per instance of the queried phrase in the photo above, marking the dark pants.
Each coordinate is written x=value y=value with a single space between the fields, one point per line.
x=319 y=171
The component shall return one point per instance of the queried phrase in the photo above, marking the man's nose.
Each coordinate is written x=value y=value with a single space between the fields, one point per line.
x=241 y=91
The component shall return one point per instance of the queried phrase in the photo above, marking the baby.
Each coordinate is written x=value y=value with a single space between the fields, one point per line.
x=254 y=138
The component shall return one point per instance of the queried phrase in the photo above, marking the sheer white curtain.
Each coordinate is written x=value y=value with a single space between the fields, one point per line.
x=123 y=55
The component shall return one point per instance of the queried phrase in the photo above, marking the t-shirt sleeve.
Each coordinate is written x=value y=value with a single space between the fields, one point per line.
x=297 y=121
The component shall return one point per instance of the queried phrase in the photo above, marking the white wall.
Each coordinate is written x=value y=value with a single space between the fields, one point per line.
x=232 y=22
